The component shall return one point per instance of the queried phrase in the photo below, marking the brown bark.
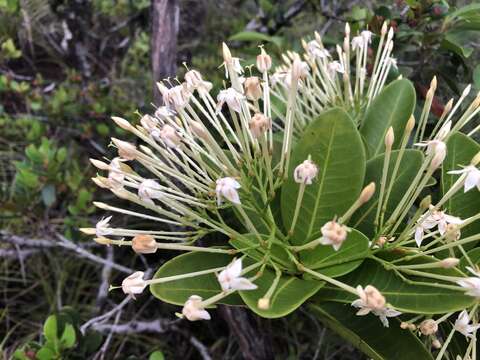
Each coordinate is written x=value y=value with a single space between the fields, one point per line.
x=165 y=23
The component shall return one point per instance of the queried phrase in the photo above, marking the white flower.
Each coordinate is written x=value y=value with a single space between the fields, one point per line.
x=471 y=284
x=230 y=96
x=367 y=36
x=462 y=325
x=227 y=188
x=149 y=189
x=334 y=234
x=472 y=179
x=103 y=227
x=177 y=96
x=305 y=172
x=194 y=81
x=299 y=69
x=150 y=123
x=115 y=174
x=236 y=66
x=230 y=278
x=264 y=61
x=431 y=219
x=134 y=284
x=393 y=62
x=316 y=51
x=357 y=42
x=335 y=67
x=281 y=77
x=163 y=112
x=433 y=146
x=371 y=300
x=193 y=309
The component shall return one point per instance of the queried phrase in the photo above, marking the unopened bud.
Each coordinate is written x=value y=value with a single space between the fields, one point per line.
x=124 y=124
x=426 y=202
x=100 y=164
x=433 y=83
x=384 y=28
x=436 y=344
x=449 y=263
x=144 y=244
x=102 y=240
x=367 y=193
x=170 y=136
x=410 y=124
x=263 y=303
x=347 y=29
x=390 y=34
x=199 y=129
x=259 y=124
x=227 y=55
x=404 y=325
x=253 y=89
x=466 y=90
x=264 y=62
x=299 y=69
x=389 y=138
x=126 y=150
x=475 y=160
x=305 y=172
x=448 y=107
x=412 y=326
x=102 y=182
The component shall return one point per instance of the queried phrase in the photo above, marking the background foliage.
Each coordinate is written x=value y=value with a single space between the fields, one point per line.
x=65 y=67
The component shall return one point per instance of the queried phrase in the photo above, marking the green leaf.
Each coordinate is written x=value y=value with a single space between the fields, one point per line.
x=460 y=151
x=368 y=335
x=50 y=329
x=392 y=107
x=474 y=256
x=364 y=218
x=336 y=148
x=457 y=42
x=156 y=355
x=49 y=195
x=291 y=292
x=178 y=291
x=256 y=37
x=337 y=263
x=45 y=354
x=404 y=296
x=68 y=337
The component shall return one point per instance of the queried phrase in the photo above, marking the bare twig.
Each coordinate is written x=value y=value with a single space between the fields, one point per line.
x=104 y=317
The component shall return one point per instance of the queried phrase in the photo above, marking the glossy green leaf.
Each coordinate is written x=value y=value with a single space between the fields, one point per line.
x=256 y=36
x=50 y=328
x=335 y=146
x=368 y=335
x=410 y=164
x=178 y=291
x=68 y=337
x=392 y=107
x=405 y=297
x=337 y=263
x=460 y=151
x=290 y=293
x=156 y=355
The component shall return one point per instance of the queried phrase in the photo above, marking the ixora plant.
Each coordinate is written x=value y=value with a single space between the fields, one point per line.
x=324 y=189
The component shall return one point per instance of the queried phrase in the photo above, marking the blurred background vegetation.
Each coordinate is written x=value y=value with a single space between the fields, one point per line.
x=66 y=66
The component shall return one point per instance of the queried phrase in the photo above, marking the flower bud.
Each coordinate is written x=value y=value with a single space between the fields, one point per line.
x=428 y=327
x=263 y=303
x=149 y=189
x=259 y=124
x=126 y=150
x=253 y=89
x=299 y=69
x=305 y=172
x=389 y=138
x=452 y=232
x=440 y=154
x=124 y=124
x=426 y=202
x=149 y=123
x=367 y=193
x=170 y=136
x=383 y=31
x=227 y=55
x=374 y=299
x=466 y=90
x=475 y=160
x=193 y=309
x=199 y=129
x=144 y=244
x=264 y=61
x=134 y=284
x=449 y=262
x=436 y=344
x=433 y=83
x=102 y=182
x=193 y=78
x=100 y=164
x=410 y=124
x=404 y=325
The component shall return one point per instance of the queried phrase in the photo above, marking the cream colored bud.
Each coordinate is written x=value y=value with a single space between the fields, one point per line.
x=410 y=124
x=384 y=28
x=134 y=284
x=263 y=303
x=433 y=83
x=100 y=164
x=390 y=34
x=347 y=29
x=466 y=90
x=475 y=160
x=102 y=240
x=102 y=182
x=227 y=55
x=448 y=107
x=428 y=327
x=449 y=263
x=436 y=344
x=253 y=89
x=199 y=130
x=144 y=244
x=170 y=136
x=126 y=150
x=389 y=138
x=440 y=154
x=299 y=69
x=412 y=326
x=124 y=124
x=404 y=325
x=367 y=193
x=193 y=78
x=259 y=124
x=426 y=202
x=264 y=62
x=149 y=123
